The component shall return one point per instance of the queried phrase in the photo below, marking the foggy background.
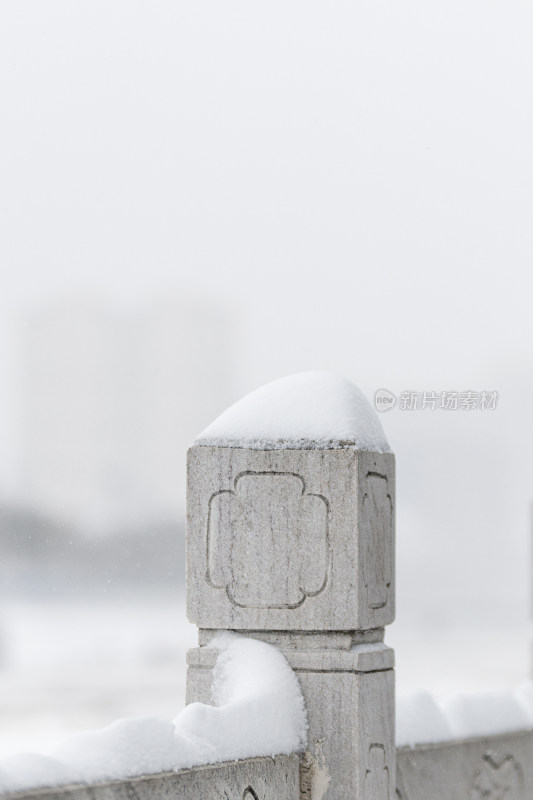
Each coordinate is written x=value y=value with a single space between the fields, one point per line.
x=198 y=198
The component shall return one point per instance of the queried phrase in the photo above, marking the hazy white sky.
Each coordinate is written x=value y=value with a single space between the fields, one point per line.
x=352 y=179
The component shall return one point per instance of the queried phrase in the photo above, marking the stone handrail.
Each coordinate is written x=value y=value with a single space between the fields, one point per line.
x=249 y=779
x=498 y=767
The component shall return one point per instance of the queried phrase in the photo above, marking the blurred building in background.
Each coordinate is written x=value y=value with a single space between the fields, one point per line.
x=110 y=402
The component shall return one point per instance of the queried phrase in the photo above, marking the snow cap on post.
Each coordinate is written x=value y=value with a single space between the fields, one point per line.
x=310 y=410
x=290 y=511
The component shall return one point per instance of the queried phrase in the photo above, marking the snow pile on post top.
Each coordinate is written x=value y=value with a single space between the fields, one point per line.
x=309 y=410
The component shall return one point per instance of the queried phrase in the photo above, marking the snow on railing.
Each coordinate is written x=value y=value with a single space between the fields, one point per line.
x=291 y=546
x=423 y=719
x=252 y=681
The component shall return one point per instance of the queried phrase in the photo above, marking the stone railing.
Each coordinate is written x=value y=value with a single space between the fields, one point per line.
x=249 y=779
x=481 y=768
x=294 y=546
x=489 y=768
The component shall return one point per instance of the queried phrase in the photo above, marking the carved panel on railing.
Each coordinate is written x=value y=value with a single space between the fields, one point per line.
x=266 y=515
x=498 y=778
x=290 y=539
x=494 y=768
x=377 y=774
x=377 y=524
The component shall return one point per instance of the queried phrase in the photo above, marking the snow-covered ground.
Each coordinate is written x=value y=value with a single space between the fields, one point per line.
x=67 y=668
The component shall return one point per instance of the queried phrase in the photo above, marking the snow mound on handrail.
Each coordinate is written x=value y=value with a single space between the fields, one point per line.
x=259 y=711
x=423 y=719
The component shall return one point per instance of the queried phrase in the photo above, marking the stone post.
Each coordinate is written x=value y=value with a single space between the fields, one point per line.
x=296 y=547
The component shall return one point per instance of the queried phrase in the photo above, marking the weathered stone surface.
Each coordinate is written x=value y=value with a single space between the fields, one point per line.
x=491 y=768
x=252 y=779
x=290 y=539
x=305 y=640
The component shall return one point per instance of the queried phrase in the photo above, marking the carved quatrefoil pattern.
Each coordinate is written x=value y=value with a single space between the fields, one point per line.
x=268 y=541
